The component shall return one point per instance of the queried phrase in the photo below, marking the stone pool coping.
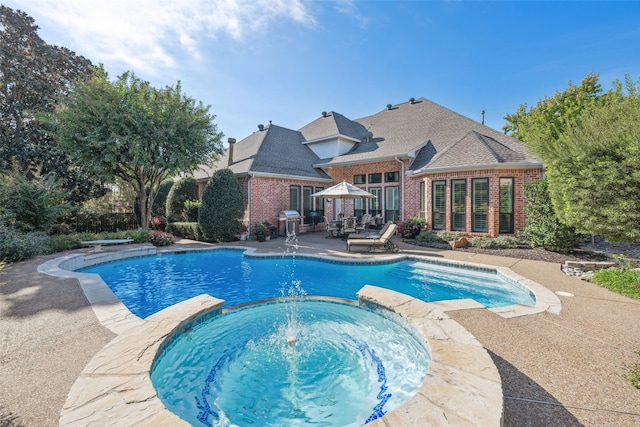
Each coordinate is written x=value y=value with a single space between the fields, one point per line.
x=462 y=385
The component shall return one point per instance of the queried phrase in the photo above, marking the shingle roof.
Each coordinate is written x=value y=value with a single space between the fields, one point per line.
x=407 y=127
x=333 y=124
x=274 y=150
x=477 y=149
x=433 y=136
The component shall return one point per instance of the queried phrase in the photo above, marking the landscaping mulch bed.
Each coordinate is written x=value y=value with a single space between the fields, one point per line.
x=596 y=250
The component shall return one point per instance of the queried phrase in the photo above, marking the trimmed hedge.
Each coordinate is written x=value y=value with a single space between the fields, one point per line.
x=187 y=230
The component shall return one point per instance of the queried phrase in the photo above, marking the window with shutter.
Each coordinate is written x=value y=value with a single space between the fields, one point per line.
x=506 y=205
x=480 y=204
x=459 y=205
x=439 y=205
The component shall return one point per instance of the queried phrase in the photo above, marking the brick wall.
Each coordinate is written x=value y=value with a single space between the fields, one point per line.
x=520 y=177
x=269 y=196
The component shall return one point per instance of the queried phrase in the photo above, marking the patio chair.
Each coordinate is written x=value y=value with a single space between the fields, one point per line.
x=374 y=242
x=349 y=225
x=362 y=226
x=331 y=229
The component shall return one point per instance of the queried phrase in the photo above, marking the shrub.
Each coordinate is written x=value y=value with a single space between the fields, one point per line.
x=500 y=242
x=429 y=237
x=191 y=208
x=160 y=202
x=184 y=189
x=65 y=242
x=30 y=205
x=449 y=236
x=162 y=238
x=17 y=246
x=222 y=207
x=543 y=228
x=412 y=227
x=188 y=230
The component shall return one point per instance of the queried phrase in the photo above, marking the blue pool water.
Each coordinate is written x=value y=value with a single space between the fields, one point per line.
x=348 y=366
x=147 y=285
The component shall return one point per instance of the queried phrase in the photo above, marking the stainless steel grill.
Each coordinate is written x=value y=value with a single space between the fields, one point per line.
x=289 y=222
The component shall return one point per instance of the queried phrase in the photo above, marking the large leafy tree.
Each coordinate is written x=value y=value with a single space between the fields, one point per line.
x=33 y=74
x=130 y=130
x=589 y=141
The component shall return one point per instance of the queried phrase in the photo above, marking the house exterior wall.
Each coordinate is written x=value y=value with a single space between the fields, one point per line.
x=520 y=178
x=269 y=196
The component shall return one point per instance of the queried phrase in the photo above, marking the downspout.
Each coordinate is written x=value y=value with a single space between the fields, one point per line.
x=402 y=188
x=251 y=175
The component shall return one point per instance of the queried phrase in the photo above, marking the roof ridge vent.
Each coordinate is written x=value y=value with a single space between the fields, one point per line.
x=260 y=127
x=389 y=106
x=412 y=101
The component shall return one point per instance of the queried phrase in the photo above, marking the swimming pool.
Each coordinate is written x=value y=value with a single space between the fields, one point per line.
x=149 y=284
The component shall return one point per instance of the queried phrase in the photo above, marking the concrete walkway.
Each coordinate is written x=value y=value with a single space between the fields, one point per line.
x=560 y=370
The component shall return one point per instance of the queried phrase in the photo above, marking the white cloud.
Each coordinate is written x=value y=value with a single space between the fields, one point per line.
x=151 y=34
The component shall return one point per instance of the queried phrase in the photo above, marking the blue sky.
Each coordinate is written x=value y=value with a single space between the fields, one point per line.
x=287 y=61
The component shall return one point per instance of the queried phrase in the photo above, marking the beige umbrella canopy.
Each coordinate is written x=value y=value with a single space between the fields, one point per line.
x=344 y=190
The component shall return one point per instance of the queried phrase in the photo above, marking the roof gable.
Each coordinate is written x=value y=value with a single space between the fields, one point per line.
x=332 y=124
x=476 y=149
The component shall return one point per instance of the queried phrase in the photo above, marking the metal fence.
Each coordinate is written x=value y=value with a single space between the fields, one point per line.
x=103 y=223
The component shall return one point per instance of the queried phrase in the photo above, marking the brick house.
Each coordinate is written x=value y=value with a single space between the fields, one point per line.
x=418 y=158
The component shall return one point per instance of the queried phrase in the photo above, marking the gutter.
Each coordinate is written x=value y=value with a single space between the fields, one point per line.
x=290 y=177
x=358 y=161
x=493 y=166
x=251 y=175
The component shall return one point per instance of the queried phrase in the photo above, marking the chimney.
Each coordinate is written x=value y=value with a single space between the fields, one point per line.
x=482 y=113
x=232 y=142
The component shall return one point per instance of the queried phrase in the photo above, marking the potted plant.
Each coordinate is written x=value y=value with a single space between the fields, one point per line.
x=262 y=230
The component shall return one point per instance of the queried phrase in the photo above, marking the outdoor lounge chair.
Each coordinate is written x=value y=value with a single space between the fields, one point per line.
x=374 y=242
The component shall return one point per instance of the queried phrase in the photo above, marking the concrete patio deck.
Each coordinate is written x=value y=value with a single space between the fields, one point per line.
x=556 y=369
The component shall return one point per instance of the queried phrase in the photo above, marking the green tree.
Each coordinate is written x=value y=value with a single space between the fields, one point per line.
x=184 y=189
x=595 y=185
x=543 y=228
x=222 y=207
x=130 y=130
x=588 y=140
x=33 y=74
x=540 y=127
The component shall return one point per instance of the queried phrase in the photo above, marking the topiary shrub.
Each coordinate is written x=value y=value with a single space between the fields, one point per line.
x=160 y=202
x=188 y=230
x=543 y=228
x=222 y=207
x=184 y=189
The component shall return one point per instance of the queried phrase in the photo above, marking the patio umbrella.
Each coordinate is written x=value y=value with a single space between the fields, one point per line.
x=344 y=190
